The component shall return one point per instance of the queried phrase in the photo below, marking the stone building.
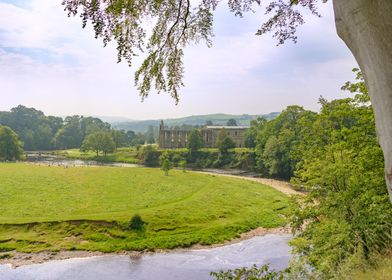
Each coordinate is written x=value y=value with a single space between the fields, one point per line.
x=170 y=138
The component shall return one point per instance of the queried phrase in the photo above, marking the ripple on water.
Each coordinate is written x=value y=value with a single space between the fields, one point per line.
x=190 y=265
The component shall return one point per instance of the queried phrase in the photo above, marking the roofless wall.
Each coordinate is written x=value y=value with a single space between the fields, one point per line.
x=170 y=138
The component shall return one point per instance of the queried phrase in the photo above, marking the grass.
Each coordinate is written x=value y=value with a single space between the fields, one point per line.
x=382 y=272
x=89 y=208
x=378 y=267
x=123 y=155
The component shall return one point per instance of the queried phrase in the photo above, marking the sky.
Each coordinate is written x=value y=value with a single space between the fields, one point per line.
x=47 y=61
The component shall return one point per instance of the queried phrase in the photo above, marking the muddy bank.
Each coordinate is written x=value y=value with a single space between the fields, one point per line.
x=17 y=259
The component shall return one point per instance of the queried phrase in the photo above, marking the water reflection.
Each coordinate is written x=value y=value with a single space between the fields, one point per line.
x=55 y=160
x=189 y=265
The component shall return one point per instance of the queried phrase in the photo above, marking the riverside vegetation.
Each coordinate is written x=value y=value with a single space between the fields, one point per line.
x=90 y=208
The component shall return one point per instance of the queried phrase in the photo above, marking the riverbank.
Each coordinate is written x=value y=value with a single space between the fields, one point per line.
x=18 y=259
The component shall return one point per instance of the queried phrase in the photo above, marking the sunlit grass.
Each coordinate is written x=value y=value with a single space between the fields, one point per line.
x=88 y=208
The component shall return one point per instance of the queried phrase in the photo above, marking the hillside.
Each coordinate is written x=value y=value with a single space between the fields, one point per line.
x=216 y=119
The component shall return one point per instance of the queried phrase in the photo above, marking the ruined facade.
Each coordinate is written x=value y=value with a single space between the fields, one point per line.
x=178 y=138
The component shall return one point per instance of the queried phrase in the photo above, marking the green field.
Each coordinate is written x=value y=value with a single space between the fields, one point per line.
x=88 y=208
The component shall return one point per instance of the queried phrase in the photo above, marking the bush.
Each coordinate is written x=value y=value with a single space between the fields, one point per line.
x=262 y=273
x=136 y=223
x=150 y=156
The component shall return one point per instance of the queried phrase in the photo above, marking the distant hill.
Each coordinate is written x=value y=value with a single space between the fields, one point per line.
x=110 y=119
x=216 y=119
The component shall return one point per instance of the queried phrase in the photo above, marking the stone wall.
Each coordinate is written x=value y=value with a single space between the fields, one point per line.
x=178 y=138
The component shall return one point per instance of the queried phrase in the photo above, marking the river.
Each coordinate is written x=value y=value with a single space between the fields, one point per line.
x=56 y=160
x=184 y=265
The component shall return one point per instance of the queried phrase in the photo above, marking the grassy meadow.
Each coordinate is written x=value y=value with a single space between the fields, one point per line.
x=88 y=208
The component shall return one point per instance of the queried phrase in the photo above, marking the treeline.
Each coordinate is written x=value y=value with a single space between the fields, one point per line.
x=40 y=132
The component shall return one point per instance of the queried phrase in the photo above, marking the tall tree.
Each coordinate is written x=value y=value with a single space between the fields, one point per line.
x=251 y=133
x=71 y=135
x=10 y=145
x=195 y=141
x=75 y=130
x=224 y=142
x=119 y=138
x=364 y=25
x=100 y=141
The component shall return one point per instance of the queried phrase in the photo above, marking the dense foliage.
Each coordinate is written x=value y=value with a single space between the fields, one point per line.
x=10 y=145
x=254 y=273
x=34 y=128
x=346 y=217
x=40 y=132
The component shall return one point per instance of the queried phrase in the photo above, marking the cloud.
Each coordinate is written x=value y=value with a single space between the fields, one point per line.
x=48 y=61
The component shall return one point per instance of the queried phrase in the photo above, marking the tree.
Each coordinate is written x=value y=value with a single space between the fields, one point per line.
x=119 y=138
x=277 y=142
x=195 y=141
x=224 y=142
x=251 y=133
x=166 y=164
x=231 y=122
x=35 y=129
x=346 y=211
x=150 y=156
x=99 y=141
x=10 y=145
x=75 y=130
x=70 y=135
x=362 y=24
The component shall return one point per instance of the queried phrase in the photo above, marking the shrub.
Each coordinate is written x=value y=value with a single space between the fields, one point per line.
x=182 y=165
x=150 y=156
x=136 y=223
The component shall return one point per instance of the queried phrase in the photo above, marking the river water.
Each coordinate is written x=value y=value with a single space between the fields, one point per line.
x=55 y=160
x=183 y=265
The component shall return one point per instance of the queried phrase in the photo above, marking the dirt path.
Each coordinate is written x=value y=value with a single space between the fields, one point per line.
x=281 y=186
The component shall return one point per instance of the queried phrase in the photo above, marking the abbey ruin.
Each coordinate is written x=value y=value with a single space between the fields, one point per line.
x=170 y=138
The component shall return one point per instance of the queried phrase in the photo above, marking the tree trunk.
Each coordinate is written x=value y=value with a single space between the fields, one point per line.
x=366 y=28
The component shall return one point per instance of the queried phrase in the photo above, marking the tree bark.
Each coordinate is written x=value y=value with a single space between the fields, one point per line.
x=366 y=28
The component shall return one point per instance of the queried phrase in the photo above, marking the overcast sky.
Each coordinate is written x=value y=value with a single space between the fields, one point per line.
x=49 y=62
